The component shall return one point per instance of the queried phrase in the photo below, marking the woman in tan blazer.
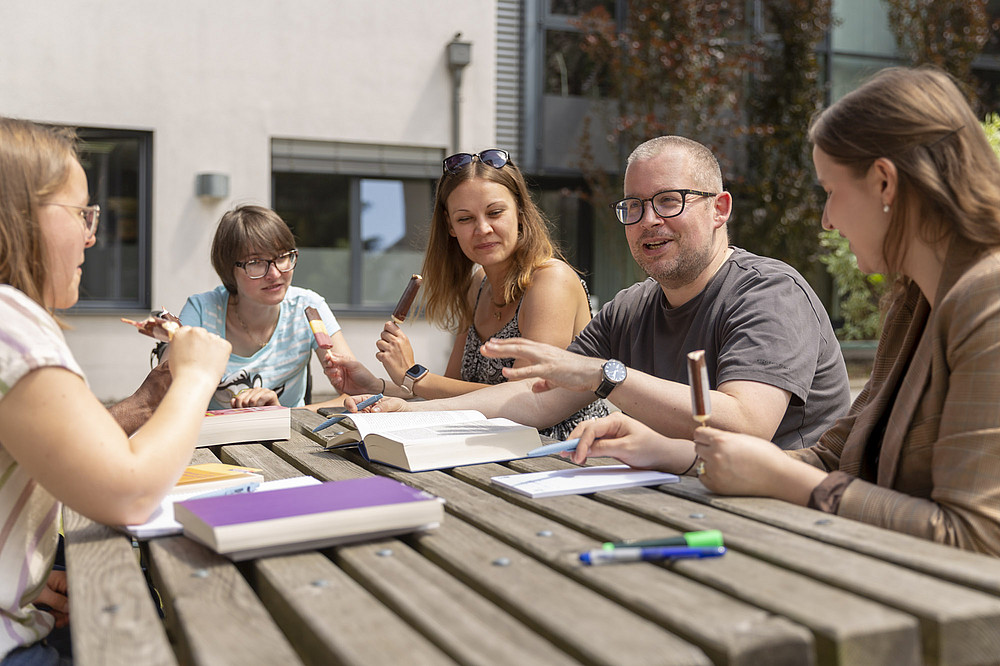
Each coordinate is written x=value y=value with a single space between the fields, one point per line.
x=914 y=185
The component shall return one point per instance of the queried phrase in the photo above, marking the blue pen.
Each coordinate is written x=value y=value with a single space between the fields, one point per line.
x=568 y=445
x=655 y=553
x=367 y=402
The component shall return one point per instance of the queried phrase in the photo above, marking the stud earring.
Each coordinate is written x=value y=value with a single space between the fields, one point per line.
x=885 y=208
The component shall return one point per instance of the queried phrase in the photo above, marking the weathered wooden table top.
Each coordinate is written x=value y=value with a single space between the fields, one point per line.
x=499 y=582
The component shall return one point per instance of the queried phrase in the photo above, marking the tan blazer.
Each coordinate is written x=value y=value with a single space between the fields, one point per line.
x=936 y=383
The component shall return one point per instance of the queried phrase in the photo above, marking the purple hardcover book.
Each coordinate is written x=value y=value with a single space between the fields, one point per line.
x=263 y=523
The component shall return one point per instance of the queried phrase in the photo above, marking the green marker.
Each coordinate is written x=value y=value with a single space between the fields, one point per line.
x=702 y=539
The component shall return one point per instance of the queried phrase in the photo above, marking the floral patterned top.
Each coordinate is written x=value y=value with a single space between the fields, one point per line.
x=479 y=368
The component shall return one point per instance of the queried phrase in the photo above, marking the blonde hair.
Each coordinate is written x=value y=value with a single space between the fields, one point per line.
x=949 y=175
x=448 y=272
x=34 y=163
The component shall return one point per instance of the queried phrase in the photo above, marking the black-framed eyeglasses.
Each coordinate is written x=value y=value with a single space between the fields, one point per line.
x=91 y=216
x=668 y=203
x=495 y=157
x=258 y=268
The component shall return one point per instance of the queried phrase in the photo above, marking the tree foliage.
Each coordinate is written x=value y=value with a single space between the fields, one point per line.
x=698 y=69
x=947 y=34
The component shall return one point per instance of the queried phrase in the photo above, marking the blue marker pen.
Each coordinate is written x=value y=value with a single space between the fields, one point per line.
x=557 y=447
x=653 y=554
x=340 y=417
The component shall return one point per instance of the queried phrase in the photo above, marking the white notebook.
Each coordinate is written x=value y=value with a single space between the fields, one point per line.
x=580 y=480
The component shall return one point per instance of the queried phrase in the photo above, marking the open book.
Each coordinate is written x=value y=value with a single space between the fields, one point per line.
x=420 y=441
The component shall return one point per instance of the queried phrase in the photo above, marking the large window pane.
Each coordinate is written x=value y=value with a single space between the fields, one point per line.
x=117 y=164
x=359 y=239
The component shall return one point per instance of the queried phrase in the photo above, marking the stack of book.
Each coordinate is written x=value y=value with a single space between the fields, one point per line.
x=248 y=424
x=284 y=521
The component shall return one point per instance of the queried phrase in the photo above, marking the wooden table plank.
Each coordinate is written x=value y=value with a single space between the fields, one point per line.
x=213 y=614
x=958 y=624
x=585 y=624
x=305 y=455
x=113 y=616
x=258 y=455
x=330 y=618
x=467 y=626
x=848 y=629
x=961 y=566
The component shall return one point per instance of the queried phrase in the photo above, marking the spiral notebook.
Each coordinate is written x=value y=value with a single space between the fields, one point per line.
x=581 y=480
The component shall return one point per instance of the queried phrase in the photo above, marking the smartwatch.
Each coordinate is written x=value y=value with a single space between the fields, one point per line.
x=412 y=376
x=612 y=374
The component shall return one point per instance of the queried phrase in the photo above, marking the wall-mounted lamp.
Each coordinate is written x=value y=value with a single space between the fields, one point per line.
x=212 y=185
x=459 y=56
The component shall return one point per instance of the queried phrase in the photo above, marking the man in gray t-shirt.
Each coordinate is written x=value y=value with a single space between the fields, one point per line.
x=774 y=366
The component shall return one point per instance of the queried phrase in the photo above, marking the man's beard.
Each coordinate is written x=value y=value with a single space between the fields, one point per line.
x=682 y=270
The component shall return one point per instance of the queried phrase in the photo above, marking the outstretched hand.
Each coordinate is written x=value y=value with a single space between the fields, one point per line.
x=349 y=375
x=551 y=366
x=622 y=437
x=386 y=404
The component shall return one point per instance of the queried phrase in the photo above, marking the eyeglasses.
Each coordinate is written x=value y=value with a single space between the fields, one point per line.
x=90 y=215
x=495 y=157
x=258 y=268
x=668 y=203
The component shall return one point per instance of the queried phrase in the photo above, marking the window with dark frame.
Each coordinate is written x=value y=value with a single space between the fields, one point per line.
x=118 y=164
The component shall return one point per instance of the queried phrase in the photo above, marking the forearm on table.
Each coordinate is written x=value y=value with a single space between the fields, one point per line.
x=665 y=406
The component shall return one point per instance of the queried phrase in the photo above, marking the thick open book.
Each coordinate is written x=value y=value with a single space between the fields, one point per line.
x=294 y=519
x=248 y=424
x=420 y=441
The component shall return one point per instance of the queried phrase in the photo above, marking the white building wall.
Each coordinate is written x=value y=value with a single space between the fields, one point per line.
x=215 y=81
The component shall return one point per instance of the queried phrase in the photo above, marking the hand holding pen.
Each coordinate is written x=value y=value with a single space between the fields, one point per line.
x=340 y=417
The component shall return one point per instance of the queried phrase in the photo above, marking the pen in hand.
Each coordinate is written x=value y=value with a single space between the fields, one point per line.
x=367 y=402
x=557 y=447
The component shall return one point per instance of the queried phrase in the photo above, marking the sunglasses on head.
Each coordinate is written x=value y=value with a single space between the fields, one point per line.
x=495 y=157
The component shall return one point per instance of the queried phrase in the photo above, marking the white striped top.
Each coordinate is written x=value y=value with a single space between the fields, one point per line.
x=29 y=515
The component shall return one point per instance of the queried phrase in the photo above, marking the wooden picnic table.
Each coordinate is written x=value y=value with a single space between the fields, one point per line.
x=499 y=582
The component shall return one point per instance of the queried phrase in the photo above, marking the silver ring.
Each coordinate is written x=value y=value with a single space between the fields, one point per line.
x=700 y=469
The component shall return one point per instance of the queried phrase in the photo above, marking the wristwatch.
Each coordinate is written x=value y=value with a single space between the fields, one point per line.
x=612 y=374
x=412 y=376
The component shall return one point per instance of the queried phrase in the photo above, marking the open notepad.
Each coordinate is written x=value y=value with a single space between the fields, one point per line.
x=420 y=441
x=580 y=480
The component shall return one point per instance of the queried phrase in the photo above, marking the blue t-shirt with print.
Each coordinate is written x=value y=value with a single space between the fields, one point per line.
x=281 y=364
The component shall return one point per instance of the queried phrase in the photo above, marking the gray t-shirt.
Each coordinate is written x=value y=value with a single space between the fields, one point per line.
x=757 y=320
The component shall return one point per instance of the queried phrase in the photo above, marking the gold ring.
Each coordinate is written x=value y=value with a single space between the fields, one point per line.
x=700 y=469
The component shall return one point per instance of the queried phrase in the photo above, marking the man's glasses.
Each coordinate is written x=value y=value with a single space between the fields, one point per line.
x=90 y=215
x=258 y=268
x=668 y=203
x=495 y=157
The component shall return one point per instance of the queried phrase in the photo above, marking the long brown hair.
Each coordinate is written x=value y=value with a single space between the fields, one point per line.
x=949 y=175
x=448 y=272
x=34 y=163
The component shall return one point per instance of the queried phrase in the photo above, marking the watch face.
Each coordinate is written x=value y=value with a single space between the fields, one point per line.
x=417 y=371
x=614 y=371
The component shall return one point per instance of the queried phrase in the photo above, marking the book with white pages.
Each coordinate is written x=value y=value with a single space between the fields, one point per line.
x=582 y=480
x=421 y=441
x=162 y=522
